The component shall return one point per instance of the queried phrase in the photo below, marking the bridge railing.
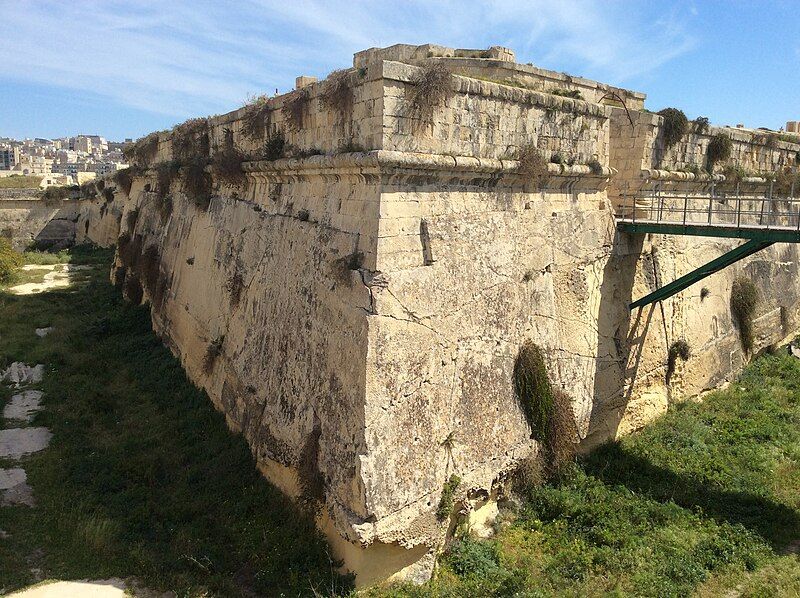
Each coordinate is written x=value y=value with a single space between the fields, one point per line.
x=718 y=208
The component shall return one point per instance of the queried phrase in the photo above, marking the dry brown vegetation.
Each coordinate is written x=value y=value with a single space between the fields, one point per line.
x=190 y=140
x=197 y=182
x=256 y=118
x=166 y=173
x=143 y=151
x=337 y=94
x=294 y=108
x=226 y=163
x=431 y=87
x=532 y=164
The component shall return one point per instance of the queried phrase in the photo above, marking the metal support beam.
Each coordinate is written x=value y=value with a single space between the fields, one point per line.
x=700 y=273
x=758 y=233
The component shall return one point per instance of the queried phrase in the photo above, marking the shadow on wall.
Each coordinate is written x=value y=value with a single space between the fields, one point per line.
x=32 y=223
x=619 y=345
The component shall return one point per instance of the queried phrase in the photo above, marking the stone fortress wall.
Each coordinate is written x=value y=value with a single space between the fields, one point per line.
x=29 y=221
x=356 y=310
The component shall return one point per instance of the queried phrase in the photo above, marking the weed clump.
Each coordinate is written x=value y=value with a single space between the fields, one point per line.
x=10 y=261
x=108 y=194
x=678 y=349
x=59 y=193
x=275 y=146
x=235 y=286
x=674 y=126
x=190 y=140
x=143 y=151
x=132 y=288
x=337 y=93
x=719 y=150
x=227 y=162
x=595 y=167
x=213 y=351
x=744 y=299
x=256 y=118
x=166 y=173
x=197 y=183
x=533 y=390
x=124 y=178
x=432 y=86
x=532 y=164
x=448 y=498
x=294 y=108
x=700 y=125
x=567 y=93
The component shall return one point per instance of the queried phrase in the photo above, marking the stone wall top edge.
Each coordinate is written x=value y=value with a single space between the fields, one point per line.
x=404 y=73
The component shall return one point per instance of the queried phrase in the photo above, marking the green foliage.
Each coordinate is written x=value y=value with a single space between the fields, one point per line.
x=744 y=299
x=674 y=126
x=448 y=497
x=532 y=389
x=719 y=150
x=678 y=349
x=19 y=181
x=567 y=93
x=466 y=556
x=60 y=193
x=702 y=500
x=734 y=173
x=142 y=478
x=700 y=125
x=275 y=146
x=10 y=262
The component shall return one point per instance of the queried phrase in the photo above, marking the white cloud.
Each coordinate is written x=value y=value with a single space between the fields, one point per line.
x=182 y=59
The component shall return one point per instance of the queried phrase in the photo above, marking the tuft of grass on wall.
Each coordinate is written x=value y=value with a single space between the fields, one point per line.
x=197 y=183
x=674 y=126
x=190 y=140
x=143 y=151
x=678 y=350
x=533 y=390
x=700 y=125
x=275 y=147
x=430 y=88
x=294 y=109
x=226 y=164
x=256 y=118
x=744 y=300
x=447 y=499
x=532 y=164
x=719 y=150
x=337 y=94
x=166 y=173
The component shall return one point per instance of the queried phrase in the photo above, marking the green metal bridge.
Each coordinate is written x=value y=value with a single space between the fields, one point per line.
x=759 y=220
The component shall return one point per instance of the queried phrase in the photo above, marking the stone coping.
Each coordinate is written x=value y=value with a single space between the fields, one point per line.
x=378 y=159
x=672 y=176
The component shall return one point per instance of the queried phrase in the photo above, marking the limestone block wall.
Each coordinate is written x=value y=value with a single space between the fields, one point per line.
x=26 y=219
x=357 y=314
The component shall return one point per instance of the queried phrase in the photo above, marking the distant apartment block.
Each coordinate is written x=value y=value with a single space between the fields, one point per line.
x=9 y=157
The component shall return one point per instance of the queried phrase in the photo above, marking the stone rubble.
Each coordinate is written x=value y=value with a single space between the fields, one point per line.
x=20 y=374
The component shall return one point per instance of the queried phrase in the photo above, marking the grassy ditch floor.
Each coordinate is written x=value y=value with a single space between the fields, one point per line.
x=142 y=478
x=703 y=502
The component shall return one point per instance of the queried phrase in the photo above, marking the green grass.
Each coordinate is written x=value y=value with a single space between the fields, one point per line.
x=701 y=502
x=20 y=182
x=142 y=478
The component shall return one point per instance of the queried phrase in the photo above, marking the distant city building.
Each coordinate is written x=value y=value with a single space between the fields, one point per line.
x=9 y=158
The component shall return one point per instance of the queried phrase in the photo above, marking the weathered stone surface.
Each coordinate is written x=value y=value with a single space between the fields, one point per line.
x=23 y=406
x=14 y=489
x=357 y=315
x=20 y=374
x=18 y=442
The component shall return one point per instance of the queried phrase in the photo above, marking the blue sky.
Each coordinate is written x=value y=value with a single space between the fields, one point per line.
x=124 y=68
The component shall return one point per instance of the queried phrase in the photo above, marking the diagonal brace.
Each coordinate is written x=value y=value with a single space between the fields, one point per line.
x=734 y=255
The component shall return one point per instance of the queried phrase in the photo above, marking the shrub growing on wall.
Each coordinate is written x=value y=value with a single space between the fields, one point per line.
x=197 y=183
x=294 y=108
x=226 y=163
x=337 y=93
x=532 y=164
x=719 y=150
x=744 y=299
x=432 y=86
x=256 y=118
x=533 y=390
x=677 y=350
x=448 y=497
x=674 y=125
x=190 y=140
